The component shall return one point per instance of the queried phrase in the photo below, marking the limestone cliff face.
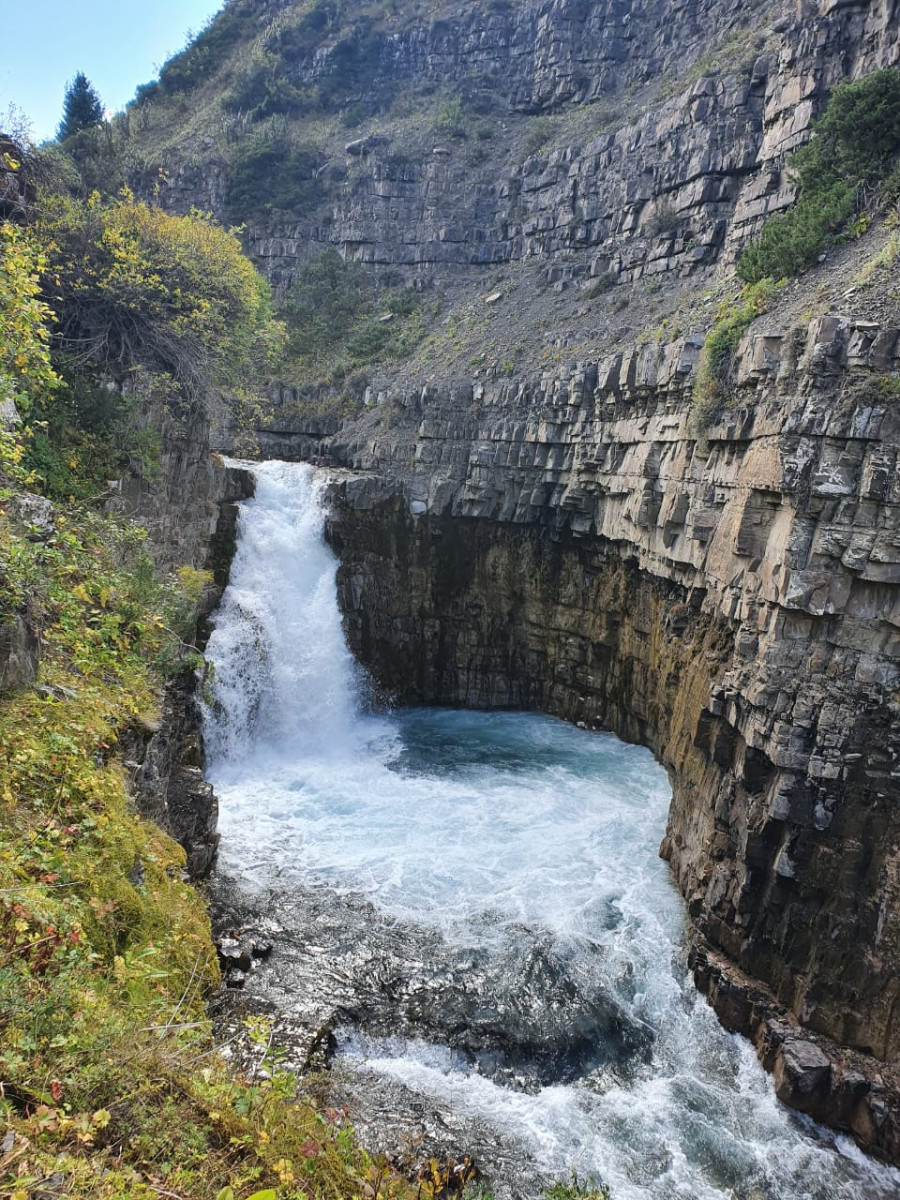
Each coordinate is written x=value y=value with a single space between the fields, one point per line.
x=188 y=504
x=565 y=545
x=563 y=542
x=180 y=498
x=681 y=115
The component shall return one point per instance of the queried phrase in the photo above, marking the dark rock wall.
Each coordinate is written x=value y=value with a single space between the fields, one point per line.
x=677 y=157
x=565 y=545
x=189 y=506
x=180 y=499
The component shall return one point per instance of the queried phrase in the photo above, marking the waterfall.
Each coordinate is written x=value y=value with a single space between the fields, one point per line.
x=282 y=670
x=475 y=904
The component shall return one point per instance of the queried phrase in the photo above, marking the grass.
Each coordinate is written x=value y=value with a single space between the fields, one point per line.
x=111 y=1078
x=883 y=261
x=713 y=383
x=577 y=1188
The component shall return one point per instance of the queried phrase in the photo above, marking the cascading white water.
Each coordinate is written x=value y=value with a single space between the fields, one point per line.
x=518 y=835
x=282 y=669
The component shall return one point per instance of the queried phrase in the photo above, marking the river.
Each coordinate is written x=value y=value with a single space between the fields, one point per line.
x=475 y=907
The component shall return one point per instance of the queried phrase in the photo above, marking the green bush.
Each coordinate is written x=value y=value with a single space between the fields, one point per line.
x=854 y=148
x=577 y=1188
x=538 y=136
x=262 y=90
x=271 y=172
x=132 y=285
x=208 y=51
x=792 y=241
x=713 y=383
x=450 y=121
x=334 y=316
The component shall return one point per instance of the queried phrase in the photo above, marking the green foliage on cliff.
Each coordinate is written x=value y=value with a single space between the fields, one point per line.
x=713 y=383
x=273 y=171
x=147 y=308
x=132 y=284
x=25 y=367
x=339 y=321
x=111 y=1079
x=851 y=161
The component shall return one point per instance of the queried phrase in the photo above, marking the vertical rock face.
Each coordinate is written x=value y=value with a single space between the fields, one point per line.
x=565 y=546
x=180 y=499
x=562 y=542
x=680 y=118
x=189 y=507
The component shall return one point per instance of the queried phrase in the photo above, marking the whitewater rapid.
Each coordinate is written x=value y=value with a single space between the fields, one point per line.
x=518 y=840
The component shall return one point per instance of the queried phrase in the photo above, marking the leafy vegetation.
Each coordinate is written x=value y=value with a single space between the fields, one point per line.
x=339 y=321
x=25 y=367
x=111 y=1080
x=450 y=120
x=262 y=90
x=578 y=1189
x=539 y=134
x=712 y=386
x=851 y=161
x=134 y=284
x=148 y=309
x=272 y=172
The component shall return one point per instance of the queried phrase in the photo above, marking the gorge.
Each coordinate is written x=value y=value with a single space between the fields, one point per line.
x=469 y=910
x=496 y=454
x=539 y=515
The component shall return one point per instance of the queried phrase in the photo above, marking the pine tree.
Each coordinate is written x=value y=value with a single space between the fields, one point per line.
x=81 y=107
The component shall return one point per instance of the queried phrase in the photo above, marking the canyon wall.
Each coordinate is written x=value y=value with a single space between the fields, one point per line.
x=188 y=503
x=578 y=541
x=670 y=126
x=571 y=545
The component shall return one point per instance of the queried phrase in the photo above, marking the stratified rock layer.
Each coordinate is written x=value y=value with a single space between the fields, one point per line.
x=683 y=115
x=566 y=546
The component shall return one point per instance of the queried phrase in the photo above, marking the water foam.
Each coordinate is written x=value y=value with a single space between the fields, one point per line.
x=499 y=830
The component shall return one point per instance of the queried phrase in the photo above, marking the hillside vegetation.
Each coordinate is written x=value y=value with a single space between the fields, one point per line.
x=111 y=1083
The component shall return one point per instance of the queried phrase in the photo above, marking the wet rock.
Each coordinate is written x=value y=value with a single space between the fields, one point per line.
x=345 y=971
x=771 y=566
x=836 y=1086
x=194 y=813
x=233 y=955
x=802 y=1073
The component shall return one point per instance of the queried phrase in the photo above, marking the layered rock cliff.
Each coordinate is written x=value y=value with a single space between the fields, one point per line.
x=568 y=538
x=565 y=545
x=188 y=505
x=664 y=147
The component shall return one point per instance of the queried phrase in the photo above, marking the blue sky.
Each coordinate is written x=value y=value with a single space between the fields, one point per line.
x=117 y=43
